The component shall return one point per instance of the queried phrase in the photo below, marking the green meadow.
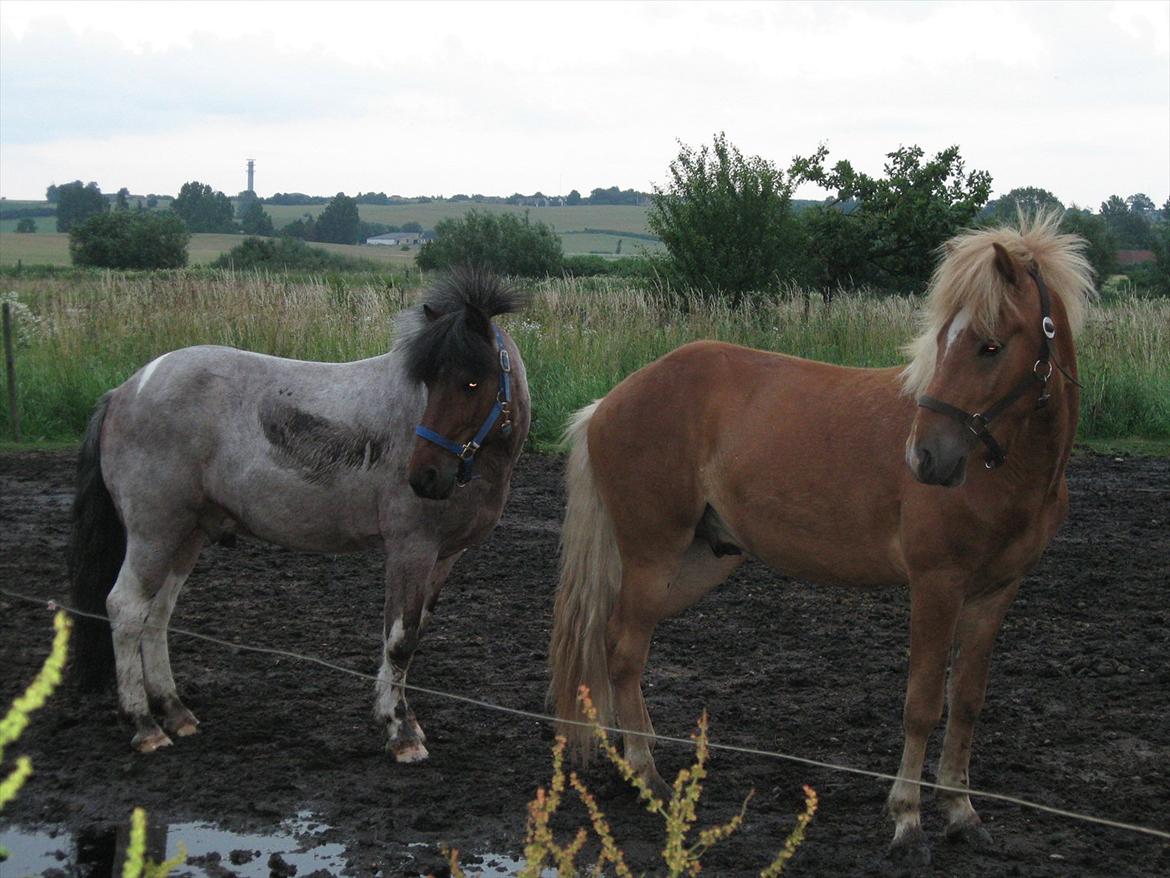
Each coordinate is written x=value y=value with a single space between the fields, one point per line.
x=80 y=333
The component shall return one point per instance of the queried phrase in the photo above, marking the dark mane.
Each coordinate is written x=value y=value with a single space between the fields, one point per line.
x=460 y=337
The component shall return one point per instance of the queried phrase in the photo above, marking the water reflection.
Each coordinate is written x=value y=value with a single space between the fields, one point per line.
x=212 y=852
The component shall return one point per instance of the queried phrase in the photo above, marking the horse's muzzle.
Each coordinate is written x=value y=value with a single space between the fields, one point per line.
x=947 y=471
x=432 y=482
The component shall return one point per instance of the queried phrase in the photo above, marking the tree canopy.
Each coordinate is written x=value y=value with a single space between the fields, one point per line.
x=339 y=222
x=255 y=221
x=203 y=209
x=130 y=239
x=77 y=202
x=900 y=218
x=724 y=219
x=506 y=244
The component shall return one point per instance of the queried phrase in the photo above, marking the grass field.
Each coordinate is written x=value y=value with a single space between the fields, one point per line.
x=619 y=218
x=81 y=335
x=48 y=247
x=53 y=249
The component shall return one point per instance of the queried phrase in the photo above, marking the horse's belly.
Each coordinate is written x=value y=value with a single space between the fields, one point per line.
x=298 y=515
x=835 y=561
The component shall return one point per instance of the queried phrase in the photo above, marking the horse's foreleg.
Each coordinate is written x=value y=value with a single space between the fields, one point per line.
x=161 y=692
x=412 y=583
x=934 y=609
x=979 y=621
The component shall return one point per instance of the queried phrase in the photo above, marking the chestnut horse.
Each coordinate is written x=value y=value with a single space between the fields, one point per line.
x=716 y=453
x=207 y=442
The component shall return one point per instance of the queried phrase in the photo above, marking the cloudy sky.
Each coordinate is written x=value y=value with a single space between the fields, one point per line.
x=494 y=97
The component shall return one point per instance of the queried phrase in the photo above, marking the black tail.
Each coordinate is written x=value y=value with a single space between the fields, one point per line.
x=96 y=551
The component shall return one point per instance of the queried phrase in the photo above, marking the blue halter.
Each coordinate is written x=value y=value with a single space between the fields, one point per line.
x=501 y=409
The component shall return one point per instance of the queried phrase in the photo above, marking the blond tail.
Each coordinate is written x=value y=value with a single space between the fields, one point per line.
x=591 y=574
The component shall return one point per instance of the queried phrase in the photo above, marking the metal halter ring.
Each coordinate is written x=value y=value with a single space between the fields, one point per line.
x=1036 y=370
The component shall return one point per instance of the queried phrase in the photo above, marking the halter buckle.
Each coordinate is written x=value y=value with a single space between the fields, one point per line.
x=505 y=360
x=977 y=424
x=468 y=450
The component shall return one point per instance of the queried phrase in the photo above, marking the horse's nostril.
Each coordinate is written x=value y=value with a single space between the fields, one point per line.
x=923 y=460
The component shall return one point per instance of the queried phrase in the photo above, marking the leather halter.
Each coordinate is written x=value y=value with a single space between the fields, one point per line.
x=501 y=409
x=978 y=423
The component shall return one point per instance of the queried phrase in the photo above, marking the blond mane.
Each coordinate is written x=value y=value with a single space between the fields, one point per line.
x=967 y=279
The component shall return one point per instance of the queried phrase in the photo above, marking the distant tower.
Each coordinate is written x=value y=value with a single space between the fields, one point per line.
x=251 y=173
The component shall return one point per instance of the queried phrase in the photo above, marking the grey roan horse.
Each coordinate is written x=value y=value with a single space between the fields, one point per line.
x=206 y=442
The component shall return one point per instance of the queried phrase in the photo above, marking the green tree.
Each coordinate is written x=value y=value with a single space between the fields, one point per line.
x=903 y=216
x=1101 y=246
x=1157 y=275
x=255 y=221
x=76 y=203
x=26 y=226
x=724 y=219
x=1029 y=200
x=1129 y=227
x=122 y=199
x=339 y=222
x=130 y=239
x=287 y=254
x=202 y=209
x=51 y=193
x=1140 y=203
x=573 y=198
x=506 y=243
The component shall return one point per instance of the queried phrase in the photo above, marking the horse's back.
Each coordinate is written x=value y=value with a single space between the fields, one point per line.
x=235 y=440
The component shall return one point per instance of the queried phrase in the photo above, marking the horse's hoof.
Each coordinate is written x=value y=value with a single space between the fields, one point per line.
x=972 y=834
x=658 y=786
x=409 y=751
x=911 y=850
x=181 y=723
x=151 y=741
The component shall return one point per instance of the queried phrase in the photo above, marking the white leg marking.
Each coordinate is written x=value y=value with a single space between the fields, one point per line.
x=148 y=371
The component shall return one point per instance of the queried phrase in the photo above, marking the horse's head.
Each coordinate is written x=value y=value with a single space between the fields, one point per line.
x=463 y=360
x=993 y=358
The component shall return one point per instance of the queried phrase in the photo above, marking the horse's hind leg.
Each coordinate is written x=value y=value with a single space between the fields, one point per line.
x=649 y=595
x=979 y=621
x=162 y=695
x=135 y=618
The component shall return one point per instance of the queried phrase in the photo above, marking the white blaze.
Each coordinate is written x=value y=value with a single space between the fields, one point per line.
x=961 y=321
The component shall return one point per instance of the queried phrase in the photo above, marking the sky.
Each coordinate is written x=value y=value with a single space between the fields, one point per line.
x=495 y=98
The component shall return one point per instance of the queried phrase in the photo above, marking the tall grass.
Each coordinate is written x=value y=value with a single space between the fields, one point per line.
x=82 y=335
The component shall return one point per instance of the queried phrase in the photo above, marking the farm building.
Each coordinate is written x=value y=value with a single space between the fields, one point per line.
x=397 y=239
x=1126 y=258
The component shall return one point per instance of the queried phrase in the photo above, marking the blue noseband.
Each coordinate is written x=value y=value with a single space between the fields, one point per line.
x=501 y=409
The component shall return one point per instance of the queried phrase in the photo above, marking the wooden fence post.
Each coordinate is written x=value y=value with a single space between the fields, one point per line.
x=10 y=366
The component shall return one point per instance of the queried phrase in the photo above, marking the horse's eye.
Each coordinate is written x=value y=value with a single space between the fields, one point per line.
x=989 y=348
x=471 y=386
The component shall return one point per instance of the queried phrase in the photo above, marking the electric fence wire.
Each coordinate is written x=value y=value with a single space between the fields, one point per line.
x=688 y=742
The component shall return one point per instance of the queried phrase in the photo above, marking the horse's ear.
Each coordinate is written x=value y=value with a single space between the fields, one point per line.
x=479 y=322
x=1004 y=263
x=431 y=314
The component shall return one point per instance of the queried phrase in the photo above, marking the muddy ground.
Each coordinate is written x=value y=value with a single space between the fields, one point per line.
x=1076 y=717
